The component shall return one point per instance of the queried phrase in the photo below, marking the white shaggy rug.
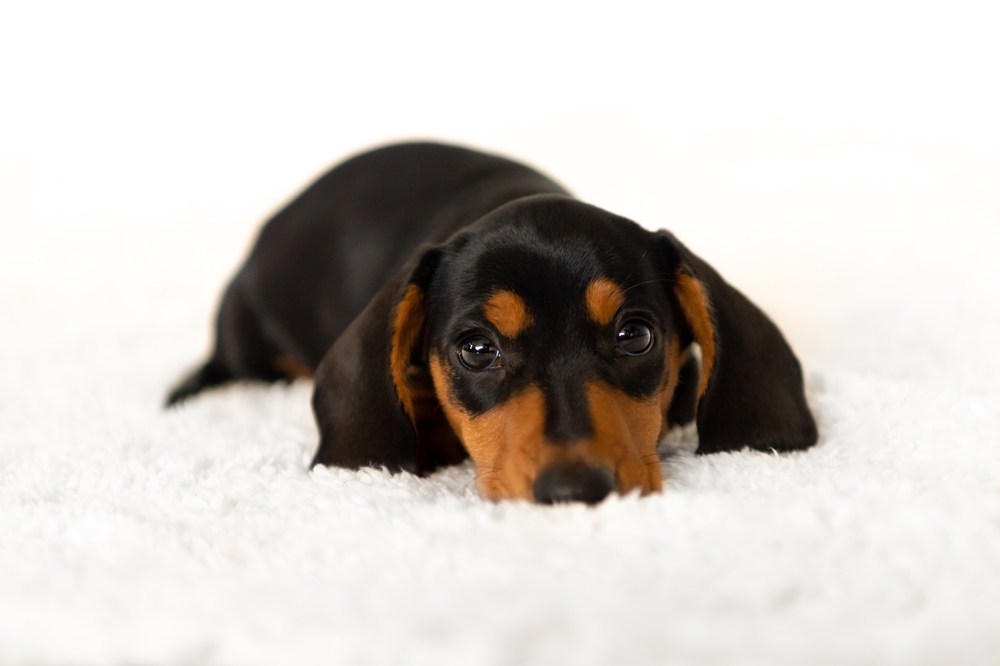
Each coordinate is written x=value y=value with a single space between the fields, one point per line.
x=134 y=535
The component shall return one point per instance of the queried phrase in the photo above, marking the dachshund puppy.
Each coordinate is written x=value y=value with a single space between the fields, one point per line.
x=451 y=303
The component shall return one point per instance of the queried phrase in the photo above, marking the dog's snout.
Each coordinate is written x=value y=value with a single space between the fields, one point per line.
x=574 y=482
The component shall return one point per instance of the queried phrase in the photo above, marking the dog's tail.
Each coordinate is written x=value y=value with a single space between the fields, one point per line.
x=210 y=374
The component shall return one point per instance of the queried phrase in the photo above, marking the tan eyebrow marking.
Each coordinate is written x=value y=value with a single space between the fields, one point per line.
x=507 y=311
x=603 y=298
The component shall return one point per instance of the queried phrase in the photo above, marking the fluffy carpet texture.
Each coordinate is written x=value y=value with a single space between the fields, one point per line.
x=135 y=535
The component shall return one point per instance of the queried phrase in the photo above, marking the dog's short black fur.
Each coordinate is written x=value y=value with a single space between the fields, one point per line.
x=452 y=303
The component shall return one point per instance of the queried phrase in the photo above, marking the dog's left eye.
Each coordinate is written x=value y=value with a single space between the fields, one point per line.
x=635 y=338
x=478 y=353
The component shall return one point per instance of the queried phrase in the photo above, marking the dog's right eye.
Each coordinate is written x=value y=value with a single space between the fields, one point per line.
x=478 y=353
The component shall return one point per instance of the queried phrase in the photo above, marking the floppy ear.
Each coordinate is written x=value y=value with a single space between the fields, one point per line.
x=750 y=389
x=363 y=400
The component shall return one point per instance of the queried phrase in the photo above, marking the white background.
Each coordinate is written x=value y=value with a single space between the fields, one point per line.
x=839 y=131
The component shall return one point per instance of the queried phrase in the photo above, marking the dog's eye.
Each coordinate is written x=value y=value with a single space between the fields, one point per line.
x=635 y=338
x=478 y=353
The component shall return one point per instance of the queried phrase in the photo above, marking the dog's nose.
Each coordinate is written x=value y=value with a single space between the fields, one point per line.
x=574 y=482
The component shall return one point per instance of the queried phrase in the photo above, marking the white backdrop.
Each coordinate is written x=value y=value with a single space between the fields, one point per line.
x=840 y=164
x=840 y=132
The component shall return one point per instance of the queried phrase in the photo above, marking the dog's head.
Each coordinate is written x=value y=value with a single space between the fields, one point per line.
x=546 y=340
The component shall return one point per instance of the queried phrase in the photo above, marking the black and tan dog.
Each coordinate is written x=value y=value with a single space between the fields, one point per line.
x=453 y=303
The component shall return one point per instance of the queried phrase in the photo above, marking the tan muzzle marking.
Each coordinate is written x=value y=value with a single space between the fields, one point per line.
x=509 y=447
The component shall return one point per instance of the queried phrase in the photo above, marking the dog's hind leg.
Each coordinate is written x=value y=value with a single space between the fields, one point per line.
x=241 y=351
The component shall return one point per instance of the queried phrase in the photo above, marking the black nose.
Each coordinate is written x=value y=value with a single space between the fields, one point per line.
x=575 y=482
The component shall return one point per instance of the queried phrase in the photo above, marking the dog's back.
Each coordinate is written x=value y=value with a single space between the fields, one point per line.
x=319 y=261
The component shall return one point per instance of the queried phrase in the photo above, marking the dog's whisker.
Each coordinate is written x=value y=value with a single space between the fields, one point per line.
x=639 y=284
